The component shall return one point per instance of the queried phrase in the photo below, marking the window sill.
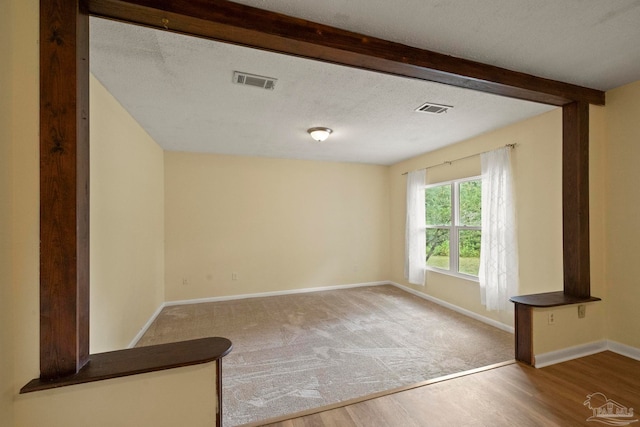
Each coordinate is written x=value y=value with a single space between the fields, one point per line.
x=454 y=274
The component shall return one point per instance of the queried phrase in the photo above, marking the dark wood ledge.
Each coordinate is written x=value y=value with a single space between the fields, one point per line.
x=524 y=317
x=122 y=363
x=551 y=299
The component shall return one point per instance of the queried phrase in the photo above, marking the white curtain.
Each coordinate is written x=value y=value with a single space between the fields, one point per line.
x=415 y=239
x=499 y=248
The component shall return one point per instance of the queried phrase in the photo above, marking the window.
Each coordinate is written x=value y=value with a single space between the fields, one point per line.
x=453 y=226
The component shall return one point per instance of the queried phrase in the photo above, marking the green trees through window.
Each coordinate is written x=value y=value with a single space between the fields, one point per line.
x=453 y=226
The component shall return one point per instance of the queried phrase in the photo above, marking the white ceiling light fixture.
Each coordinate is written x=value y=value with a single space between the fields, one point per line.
x=320 y=134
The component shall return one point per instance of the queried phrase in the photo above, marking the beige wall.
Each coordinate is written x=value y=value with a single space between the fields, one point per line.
x=177 y=397
x=537 y=178
x=142 y=400
x=569 y=330
x=537 y=171
x=6 y=294
x=127 y=224
x=24 y=105
x=623 y=201
x=278 y=224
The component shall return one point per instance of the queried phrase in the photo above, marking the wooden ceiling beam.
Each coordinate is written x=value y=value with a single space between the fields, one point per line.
x=248 y=26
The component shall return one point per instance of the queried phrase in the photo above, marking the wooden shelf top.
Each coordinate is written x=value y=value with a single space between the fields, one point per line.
x=551 y=299
x=133 y=361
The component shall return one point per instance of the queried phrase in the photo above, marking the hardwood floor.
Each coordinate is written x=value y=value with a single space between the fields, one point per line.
x=512 y=395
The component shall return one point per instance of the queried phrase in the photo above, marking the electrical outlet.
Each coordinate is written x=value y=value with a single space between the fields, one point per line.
x=234 y=276
x=582 y=311
x=551 y=318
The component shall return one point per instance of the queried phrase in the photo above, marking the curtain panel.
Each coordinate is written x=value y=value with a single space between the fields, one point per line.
x=499 y=247
x=415 y=237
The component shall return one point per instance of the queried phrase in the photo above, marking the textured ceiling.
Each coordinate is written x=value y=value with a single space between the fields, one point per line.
x=592 y=43
x=180 y=88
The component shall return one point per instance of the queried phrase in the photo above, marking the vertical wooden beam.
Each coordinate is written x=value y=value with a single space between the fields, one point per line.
x=524 y=333
x=219 y=392
x=575 y=199
x=64 y=187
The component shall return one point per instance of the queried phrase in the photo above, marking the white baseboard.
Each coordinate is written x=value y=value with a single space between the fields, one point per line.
x=146 y=326
x=153 y=317
x=273 y=293
x=541 y=360
x=455 y=308
x=569 y=353
x=623 y=349
x=460 y=310
x=558 y=356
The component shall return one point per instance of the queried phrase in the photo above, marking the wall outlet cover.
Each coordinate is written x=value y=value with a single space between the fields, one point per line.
x=582 y=311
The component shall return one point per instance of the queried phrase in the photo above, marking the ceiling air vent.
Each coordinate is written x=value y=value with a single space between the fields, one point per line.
x=431 y=108
x=253 y=80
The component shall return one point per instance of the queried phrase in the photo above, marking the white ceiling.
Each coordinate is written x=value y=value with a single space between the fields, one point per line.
x=180 y=88
x=592 y=43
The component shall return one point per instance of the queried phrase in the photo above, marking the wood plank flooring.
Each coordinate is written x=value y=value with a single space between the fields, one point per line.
x=512 y=395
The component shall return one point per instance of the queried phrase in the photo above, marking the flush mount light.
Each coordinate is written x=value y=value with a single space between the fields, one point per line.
x=319 y=134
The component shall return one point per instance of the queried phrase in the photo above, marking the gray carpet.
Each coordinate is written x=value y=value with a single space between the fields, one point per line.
x=296 y=352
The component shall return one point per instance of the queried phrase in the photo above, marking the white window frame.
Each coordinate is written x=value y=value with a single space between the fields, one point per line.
x=454 y=229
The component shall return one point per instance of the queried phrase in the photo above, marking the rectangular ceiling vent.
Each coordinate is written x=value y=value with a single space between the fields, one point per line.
x=253 y=80
x=431 y=108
